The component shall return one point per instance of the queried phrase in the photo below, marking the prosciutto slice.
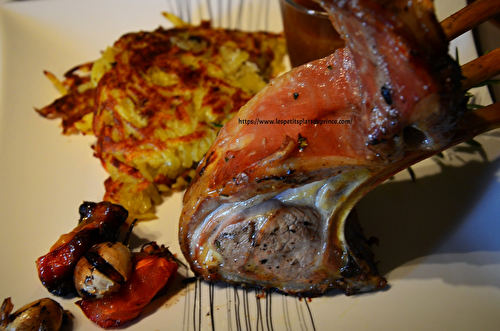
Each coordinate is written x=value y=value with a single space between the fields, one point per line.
x=271 y=202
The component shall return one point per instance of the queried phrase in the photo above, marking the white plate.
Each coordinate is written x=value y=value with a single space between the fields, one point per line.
x=439 y=245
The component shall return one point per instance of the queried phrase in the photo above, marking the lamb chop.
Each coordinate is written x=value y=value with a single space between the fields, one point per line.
x=270 y=204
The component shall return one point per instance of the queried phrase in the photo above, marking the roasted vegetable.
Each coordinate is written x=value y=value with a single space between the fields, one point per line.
x=104 y=268
x=154 y=269
x=99 y=222
x=44 y=314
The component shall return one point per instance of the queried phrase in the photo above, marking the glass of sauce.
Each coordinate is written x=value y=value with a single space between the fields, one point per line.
x=309 y=32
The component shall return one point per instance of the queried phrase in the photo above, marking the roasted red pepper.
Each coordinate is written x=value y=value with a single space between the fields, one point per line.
x=154 y=269
x=99 y=222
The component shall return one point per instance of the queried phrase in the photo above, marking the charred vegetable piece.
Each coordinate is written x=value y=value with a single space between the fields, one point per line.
x=104 y=268
x=99 y=222
x=44 y=314
x=154 y=269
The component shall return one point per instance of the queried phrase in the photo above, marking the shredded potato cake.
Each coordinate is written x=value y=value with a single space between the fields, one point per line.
x=156 y=100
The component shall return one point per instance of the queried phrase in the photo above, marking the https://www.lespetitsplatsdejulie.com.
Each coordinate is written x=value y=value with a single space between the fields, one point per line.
x=294 y=121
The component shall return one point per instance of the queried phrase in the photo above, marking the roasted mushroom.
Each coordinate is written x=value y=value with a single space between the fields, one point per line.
x=44 y=314
x=99 y=222
x=104 y=268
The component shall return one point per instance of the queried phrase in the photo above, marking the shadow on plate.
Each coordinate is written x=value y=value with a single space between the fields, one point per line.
x=438 y=221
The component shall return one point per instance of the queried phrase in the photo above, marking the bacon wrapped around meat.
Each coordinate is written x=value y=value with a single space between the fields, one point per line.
x=269 y=205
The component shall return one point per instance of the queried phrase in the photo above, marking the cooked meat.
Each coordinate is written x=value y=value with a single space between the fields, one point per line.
x=269 y=204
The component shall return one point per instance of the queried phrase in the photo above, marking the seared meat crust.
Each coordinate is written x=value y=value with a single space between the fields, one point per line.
x=400 y=91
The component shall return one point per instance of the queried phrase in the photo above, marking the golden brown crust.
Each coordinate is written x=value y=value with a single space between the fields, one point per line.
x=158 y=100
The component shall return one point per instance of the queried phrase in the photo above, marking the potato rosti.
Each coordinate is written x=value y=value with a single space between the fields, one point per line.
x=156 y=100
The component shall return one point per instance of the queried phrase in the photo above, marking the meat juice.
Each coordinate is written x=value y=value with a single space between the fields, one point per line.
x=309 y=32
